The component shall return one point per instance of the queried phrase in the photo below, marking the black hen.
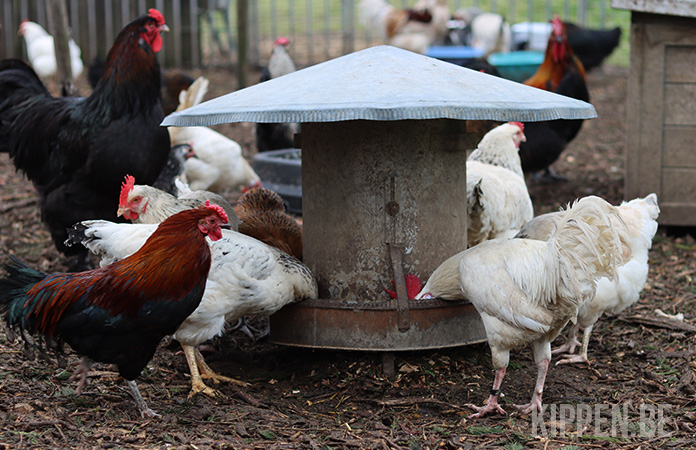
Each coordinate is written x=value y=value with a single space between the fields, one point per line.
x=76 y=151
x=546 y=140
x=591 y=46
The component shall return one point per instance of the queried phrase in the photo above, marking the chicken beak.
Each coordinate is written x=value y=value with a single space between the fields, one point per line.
x=123 y=212
x=226 y=226
x=164 y=28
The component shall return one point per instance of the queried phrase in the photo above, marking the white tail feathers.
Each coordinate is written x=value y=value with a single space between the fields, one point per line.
x=194 y=94
x=588 y=241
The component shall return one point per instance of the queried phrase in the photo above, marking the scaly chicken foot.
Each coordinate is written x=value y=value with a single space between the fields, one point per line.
x=197 y=384
x=80 y=374
x=492 y=404
x=570 y=344
x=535 y=403
x=145 y=410
x=582 y=356
x=208 y=373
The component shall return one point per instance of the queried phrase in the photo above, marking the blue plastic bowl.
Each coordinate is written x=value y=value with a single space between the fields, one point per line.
x=516 y=66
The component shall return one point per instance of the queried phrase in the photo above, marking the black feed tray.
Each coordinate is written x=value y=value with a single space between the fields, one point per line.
x=281 y=172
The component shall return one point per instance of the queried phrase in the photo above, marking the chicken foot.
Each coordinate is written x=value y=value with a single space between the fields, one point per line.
x=492 y=404
x=209 y=374
x=145 y=410
x=535 y=403
x=570 y=344
x=582 y=356
x=199 y=369
x=80 y=374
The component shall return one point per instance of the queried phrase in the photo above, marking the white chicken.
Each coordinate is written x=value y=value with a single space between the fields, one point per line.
x=489 y=32
x=41 y=51
x=219 y=164
x=140 y=203
x=640 y=217
x=414 y=29
x=247 y=278
x=498 y=203
x=527 y=290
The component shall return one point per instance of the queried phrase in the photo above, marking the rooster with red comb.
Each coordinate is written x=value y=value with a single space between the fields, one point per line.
x=561 y=72
x=119 y=313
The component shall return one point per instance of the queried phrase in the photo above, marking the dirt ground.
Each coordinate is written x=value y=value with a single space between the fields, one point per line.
x=637 y=393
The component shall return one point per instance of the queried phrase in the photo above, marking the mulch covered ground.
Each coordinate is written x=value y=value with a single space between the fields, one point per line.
x=637 y=393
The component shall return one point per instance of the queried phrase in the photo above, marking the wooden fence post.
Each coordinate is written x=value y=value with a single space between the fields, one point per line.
x=57 y=13
x=242 y=43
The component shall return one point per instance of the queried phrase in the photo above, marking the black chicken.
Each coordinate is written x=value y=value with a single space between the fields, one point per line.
x=76 y=151
x=592 y=46
x=173 y=82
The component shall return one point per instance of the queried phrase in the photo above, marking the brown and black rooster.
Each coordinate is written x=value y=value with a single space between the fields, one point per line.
x=563 y=73
x=119 y=313
x=76 y=151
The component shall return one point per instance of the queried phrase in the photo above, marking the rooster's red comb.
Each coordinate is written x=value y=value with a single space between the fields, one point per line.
x=282 y=41
x=218 y=209
x=557 y=25
x=518 y=124
x=126 y=187
x=159 y=18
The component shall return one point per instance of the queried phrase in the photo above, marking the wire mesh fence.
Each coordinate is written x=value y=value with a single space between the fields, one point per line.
x=204 y=32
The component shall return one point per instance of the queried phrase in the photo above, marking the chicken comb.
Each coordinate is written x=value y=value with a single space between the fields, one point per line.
x=413 y=286
x=218 y=209
x=518 y=124
x=159 y=18
x=126 y=187
x=557 y=25
x=282 y=41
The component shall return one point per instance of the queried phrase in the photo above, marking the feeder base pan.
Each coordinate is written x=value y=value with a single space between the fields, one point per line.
x=373 y=326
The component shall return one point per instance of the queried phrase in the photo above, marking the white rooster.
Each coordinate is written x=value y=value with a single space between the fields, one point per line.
x=219 y=164
x=498 y=202
x=413 y=29
x=247 y=278
x=640 y=217
x=41 y=51
x=527 y=290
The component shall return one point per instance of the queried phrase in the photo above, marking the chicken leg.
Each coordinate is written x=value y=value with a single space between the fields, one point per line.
x=199 y=369
x=80 y=374
x=492 y=404
x=535 y=403
x=145 y=410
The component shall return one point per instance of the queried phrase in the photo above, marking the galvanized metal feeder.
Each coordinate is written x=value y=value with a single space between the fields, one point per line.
x=384 y=145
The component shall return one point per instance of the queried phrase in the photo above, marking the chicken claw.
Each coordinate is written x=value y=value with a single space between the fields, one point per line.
x=80 y=374
x=571 y=359
x=491 y=406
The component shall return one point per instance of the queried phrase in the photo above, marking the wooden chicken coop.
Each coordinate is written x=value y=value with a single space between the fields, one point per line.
x=661 y=118
x=384 y=142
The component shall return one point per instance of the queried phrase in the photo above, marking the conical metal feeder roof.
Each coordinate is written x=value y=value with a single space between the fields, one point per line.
x=384 y=147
